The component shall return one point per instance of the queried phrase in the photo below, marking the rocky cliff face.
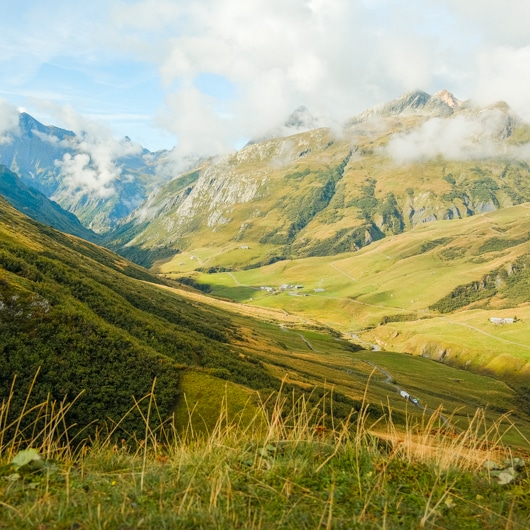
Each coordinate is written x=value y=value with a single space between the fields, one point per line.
x=211 y=196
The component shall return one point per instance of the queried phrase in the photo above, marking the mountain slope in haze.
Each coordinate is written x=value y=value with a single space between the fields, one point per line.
x=100 y=180
x=418 y=159
x=37 y=206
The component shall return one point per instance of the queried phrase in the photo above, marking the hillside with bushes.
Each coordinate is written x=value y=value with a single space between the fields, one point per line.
x=84 y=321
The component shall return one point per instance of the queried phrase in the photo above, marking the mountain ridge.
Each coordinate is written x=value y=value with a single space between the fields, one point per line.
x=74 y=171
x=281 y=195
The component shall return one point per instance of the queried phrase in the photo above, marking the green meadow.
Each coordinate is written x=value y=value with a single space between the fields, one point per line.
x=386 y=292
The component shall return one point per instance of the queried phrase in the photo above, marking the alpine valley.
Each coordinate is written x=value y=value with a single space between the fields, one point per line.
x=394 y=248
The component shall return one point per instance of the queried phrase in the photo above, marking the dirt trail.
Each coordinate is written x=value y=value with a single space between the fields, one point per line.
x=333 y=266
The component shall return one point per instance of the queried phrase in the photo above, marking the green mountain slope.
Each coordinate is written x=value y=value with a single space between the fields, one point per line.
x=418 y=159
x=37 y=206
x=90 y=322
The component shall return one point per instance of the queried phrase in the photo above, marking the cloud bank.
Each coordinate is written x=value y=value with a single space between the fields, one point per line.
x=93 y=166
x=229 y=71
x=337 y=57
x=463 y=137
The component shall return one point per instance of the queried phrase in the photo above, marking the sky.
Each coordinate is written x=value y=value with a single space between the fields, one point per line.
x=208 y=75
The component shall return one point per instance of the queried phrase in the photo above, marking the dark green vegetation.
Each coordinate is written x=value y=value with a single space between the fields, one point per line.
x=302 y=209
x=79 y=314
x=82 y=318
x=511 y=284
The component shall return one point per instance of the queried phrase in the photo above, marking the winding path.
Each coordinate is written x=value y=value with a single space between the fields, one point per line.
x=398 y=389
x=478 y=330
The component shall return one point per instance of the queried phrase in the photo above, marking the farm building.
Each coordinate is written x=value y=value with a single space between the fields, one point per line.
x=497 y=320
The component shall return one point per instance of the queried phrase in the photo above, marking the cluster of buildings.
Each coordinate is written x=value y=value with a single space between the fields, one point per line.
x=283 y=287
x=288 y=287
x=497 y=320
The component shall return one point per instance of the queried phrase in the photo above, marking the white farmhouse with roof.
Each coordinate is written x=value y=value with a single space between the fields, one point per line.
x=498 y=320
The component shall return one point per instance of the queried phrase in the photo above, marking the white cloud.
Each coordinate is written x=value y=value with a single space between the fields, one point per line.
x=496 y=22
x=81 y=175
x=93 y=166
x=463 y=137
x=337 y=57
x=9 y=117
x=200 y=128
x=504 y=74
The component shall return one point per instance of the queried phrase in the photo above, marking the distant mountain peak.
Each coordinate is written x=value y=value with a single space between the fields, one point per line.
x=448 y=98
x=301 y=119
x=416 y=102
x=416 y=99
x=28 y=125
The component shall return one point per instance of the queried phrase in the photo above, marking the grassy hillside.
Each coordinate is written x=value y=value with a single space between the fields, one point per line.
x=287 y=470
x=219 y=415
x=429 y=291
x=78 y=322
x=321 y=193
x=80 y=317
x=305 y=354
x=89 y=322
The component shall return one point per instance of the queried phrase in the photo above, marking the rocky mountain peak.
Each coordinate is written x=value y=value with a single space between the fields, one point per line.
x=409 y=103
x=29 y=125
x=446 y=97
x=301 y=119
x=414 y=100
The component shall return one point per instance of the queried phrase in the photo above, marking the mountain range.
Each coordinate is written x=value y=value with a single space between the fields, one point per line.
x=417 y=159
x=396 y=231
x=98 y=179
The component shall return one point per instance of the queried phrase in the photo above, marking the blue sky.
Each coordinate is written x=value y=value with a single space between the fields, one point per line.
x=206 y=75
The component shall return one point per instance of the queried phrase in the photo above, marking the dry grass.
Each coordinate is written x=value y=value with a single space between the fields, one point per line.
x=291 y=467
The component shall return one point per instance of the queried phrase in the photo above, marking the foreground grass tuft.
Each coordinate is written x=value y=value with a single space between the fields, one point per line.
x=286 y=471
